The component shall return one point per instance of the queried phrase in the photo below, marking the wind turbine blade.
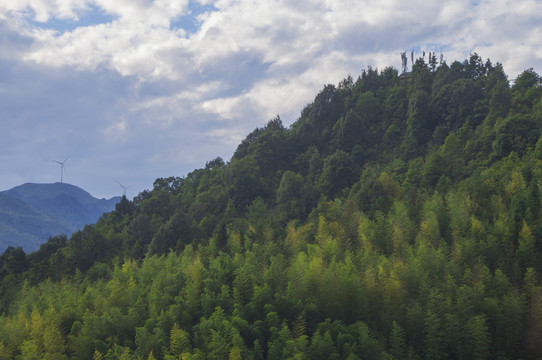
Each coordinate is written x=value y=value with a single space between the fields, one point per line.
x=66 y=159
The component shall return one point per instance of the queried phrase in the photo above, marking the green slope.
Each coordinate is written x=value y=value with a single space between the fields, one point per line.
x=398 y=218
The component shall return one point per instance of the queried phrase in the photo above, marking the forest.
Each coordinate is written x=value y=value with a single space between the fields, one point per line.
x=400 y=217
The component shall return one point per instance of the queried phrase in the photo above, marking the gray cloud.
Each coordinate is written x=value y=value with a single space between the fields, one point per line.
x=133 y=96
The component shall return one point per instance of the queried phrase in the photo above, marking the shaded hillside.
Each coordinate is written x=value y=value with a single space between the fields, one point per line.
x=400 y=217
x=38 y=211
x=24 y=226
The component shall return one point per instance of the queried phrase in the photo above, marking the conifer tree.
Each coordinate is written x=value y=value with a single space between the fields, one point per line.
x=397 y=342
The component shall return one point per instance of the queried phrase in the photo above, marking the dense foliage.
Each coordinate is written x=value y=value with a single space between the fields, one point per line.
x=398 y=218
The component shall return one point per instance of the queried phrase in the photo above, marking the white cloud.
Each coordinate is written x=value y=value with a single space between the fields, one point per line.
x=116 y=131
x=44 y=10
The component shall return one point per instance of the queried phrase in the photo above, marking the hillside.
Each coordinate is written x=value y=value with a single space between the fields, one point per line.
x=31 y=213
x=22 y=225
x=398 y=218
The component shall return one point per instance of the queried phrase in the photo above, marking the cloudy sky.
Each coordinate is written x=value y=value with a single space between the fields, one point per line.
x=132 y=90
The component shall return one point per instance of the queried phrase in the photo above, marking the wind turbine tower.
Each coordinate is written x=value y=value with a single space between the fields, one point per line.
x=62 y=167
x=404 y=62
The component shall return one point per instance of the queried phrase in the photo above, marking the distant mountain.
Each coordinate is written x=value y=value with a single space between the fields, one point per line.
x=22 y=225
x=31 y=213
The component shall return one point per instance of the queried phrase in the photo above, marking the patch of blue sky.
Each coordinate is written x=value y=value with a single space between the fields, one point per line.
x=188 y=21
x=92 y=15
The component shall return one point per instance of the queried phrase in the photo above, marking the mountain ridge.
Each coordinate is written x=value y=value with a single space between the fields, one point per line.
x=32 y=212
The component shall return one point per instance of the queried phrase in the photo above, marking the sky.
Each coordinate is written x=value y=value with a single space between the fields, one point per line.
x=133 y=90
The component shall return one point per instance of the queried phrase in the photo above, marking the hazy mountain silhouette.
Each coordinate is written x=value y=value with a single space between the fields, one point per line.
x=30 y=213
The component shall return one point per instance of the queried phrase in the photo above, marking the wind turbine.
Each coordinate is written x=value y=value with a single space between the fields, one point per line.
x=123 y=187
x=62 y=167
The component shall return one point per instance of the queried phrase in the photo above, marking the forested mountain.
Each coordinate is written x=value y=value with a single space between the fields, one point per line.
x=31 y=213
x=398 y=218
